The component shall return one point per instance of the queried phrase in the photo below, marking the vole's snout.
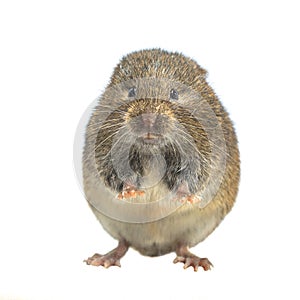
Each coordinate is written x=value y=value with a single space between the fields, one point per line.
x=149 y=127
x=149 y=120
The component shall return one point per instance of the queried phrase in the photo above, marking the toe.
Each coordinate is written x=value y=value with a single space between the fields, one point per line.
x=179 y=259
x=205 y=264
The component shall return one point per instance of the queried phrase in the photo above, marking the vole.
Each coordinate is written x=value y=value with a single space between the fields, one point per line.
x=161 y=162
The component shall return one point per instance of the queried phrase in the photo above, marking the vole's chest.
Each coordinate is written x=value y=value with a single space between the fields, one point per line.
x=152 y=173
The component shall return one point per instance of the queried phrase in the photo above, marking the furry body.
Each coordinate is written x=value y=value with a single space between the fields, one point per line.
x=179 y=138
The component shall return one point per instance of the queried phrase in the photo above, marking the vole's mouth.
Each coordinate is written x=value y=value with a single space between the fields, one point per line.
x=150 y=138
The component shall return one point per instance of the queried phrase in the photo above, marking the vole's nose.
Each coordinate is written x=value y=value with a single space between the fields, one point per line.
x=149 y=119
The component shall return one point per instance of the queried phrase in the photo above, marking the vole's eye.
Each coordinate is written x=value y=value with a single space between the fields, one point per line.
x=132 y=92
x=174 y=94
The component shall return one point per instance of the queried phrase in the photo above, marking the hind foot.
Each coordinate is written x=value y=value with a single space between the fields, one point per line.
x=191 y=260
x=112 y=258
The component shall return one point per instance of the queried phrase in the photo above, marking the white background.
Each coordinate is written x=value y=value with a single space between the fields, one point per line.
x=57 y=57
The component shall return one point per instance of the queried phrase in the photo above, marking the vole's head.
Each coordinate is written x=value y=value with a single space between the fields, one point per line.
x=157 y=103
x=151 y=113
x=151 y=99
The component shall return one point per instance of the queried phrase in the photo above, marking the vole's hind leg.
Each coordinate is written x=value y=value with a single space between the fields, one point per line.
x=190 y=259
x=111 y=258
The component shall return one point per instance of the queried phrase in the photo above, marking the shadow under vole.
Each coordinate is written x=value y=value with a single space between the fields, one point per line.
x=154 y=136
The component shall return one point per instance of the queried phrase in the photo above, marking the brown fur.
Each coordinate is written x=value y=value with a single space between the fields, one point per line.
x=189 y=224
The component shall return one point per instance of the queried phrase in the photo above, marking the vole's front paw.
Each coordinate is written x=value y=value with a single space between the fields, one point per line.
x=130 y=192
x=190 y=199
x=184 y=195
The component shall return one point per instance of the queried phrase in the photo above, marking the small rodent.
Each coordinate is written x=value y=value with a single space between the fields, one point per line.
x=159 y=135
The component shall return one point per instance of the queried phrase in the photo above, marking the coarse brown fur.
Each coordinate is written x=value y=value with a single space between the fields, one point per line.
x=185 y=165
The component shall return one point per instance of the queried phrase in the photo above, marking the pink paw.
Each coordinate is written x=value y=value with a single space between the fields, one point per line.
x=130 y=192
x=195 y=262
x=103 y=260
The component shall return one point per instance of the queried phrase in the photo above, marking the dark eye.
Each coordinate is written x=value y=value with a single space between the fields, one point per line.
x=132 y=92
x=173 y=94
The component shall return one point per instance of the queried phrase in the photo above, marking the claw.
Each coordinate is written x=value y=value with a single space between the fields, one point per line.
x=117 y=263
x=178 y=259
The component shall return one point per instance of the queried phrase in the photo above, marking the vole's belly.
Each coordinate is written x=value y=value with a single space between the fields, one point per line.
x=188 y=224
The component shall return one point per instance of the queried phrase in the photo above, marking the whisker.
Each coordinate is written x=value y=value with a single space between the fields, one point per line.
x=110 y=136
x=183 y=135
x=101 y=143
x=106 y=106
x=119 y=139
x=109 y=126
x=222 y=150
x=110 y=120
